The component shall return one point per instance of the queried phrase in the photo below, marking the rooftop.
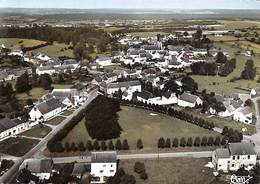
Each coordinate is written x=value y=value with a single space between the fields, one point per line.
x=103 y=157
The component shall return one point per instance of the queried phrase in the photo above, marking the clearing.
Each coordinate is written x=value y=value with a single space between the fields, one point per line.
x=17 y=43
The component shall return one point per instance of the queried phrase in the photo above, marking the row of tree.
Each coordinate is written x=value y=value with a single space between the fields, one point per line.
x=249 y=71
x=203 y=68
x=204 y=141
x=227 y=68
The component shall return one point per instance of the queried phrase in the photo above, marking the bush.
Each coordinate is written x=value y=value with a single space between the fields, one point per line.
x=89 y=145
x=175 y=143
x=96 y=145
x=139 y=144
x=161 y=143
x=197 y=141
x=139 y=167
x=144 y=176
x=111 y=145
x=183 y=142
x=189 y=142
x=118 y=145
x=81 y=147
x=103 y=146
x=168 y=143
x=125 y=145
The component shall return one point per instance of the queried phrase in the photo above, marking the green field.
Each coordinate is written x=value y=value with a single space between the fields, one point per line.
x=17 y=146
x=173 y=170
x=38 y=132
x=17 y=43
x=138 y=123
x=147 y=34
x=55 y=50
x=34 y=94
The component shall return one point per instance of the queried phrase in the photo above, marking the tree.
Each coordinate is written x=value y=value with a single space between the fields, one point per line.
x=96 y=145
x=183 y=142
x=197 y=141
x=248 y=103
x=249 y=71
x=111 y=145
x=45 y=81
x=189 y=142
x=103 y=146
x=161 y=143
x=167 y=143
x=217 y=141
x=189 y=84
x=139 y=144
x=204 y=141
x=67 y=147
x=125 y=145
x=81 y=147
x=22 y=83
x=221 y=58
x=89 y=146
x=139 y=167
x=210 y=141
x=118 y=145
x=175 y=142
x=225 y=131
x=80 y=51
x=73 y=147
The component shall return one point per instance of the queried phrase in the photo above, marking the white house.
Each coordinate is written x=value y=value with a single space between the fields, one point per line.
x=104 y=61
x=234 y=157
x=130 y=86
x=244 y=115
x=255 y=92
x=103 y=165
x=43 y=57
x=46 y=110
x=10 y=127
x=45 y=69
x=41 y=168
x=16 y=53
x=189 y=100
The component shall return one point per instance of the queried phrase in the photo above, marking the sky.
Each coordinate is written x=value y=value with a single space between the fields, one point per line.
x=133 y=4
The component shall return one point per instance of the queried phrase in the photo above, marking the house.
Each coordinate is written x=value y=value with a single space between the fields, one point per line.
x=255 y=92
x=16 y=53
x=79 y=169
x=145 y=97
x=110 y=77
x=244 y=115
x=130 y=86
x=42 y=57
x=10 y=127
x=234 y=157
x=25 y=176
x=104 y=61
x=71 y=63
x=103 y=166
x=46 y=110
x=46 y=69
x=41 y=168
x=189 y=100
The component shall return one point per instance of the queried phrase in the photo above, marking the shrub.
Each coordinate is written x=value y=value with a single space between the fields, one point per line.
x=118 y=145
x=144 y=175
x=111 y=145
x=139 y=144
x=139 y=167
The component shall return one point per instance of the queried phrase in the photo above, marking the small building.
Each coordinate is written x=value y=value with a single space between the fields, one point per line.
x=103 y=166
x=234 y=157
x=244 y=115
x=104 y=61
x=10 y=127
x=79 y=169
x=255 y=92
x=189 y=100
x=46 y=110
x=42 y=168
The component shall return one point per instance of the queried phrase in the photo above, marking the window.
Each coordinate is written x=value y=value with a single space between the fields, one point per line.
x=248 y=157
x=111 y=171
x=111 y=165
x=219 y=165
x=104 y=165
x=101 y=171
x=234 y=157
x=238 y=157
x=233 y=165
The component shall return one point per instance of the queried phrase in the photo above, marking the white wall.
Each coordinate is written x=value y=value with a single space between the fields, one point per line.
x=103 y=170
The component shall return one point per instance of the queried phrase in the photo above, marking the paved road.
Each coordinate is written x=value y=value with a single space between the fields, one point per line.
x=201 y=154
x=35 y=152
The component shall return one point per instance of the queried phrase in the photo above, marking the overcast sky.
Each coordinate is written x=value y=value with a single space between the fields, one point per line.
x=142 y=4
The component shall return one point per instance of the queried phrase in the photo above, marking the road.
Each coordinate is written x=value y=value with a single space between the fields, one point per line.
x=201 y=154
x=35 y=152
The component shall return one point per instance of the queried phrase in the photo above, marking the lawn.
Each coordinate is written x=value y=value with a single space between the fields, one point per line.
x=55 y=121
x=62 y=86
x=237 y=24
x=17 y=146
x=138 y=123
x=17 y=43
x=34 y=94
x=38 y=132
x=56 y=50
x=147 y=34
x=173 y=170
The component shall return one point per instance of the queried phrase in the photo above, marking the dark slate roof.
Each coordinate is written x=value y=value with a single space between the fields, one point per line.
x=243 y=148
x=49 y=105
x=189 y=97
x=145 y=95
x=167 y=94
x=7 y=123
x=38 y=165
x=103 y=157
x=78 y=86
x=236 y=103
x=222 y=153
x=124 y=84
x=79 y=169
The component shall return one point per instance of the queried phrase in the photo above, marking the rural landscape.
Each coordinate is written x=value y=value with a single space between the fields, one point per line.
x=134 y=93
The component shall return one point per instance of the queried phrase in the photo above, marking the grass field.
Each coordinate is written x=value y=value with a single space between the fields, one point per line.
x=238 y=24
x=61 y=86
x=17 y=146
x=34 y=94
x=38 y=132
x=17 y=43
x=55 y=50
x=138 y=123
x=147 y=34
x=173 y=170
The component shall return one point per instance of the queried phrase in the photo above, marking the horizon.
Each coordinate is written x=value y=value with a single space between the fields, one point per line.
x=135 y=4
